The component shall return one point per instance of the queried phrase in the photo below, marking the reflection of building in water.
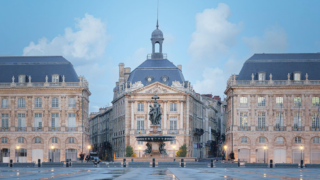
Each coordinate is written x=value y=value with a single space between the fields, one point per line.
x=44 y=109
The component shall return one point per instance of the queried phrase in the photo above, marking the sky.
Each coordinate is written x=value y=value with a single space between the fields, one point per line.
x=210 y=39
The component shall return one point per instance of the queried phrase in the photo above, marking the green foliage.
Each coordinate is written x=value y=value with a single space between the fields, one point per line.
x=182 y=151
x=129 y=151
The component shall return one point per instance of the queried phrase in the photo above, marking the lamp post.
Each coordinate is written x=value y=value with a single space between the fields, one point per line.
x=18 y=152
x=174 y=150
x=301 y=148
x=52 y=151
x=265 y=148
x=225 y=150
x=139 y=150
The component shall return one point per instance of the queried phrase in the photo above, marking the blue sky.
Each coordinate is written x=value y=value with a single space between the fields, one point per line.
x=211 y=39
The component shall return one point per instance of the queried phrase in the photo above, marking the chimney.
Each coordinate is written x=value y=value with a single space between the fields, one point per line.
x=217 y=98
x=121 y=73
x=180 y=67
x=127 y=72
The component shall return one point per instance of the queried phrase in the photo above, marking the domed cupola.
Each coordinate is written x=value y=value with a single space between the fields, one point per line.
x=157 y=38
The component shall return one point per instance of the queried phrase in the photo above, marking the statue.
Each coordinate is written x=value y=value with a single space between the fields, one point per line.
x=149 y=148
x=12 y=79
x=155 y=112
x=162 y=150
x=46 y=78
x=63 y=78
x=29 y=79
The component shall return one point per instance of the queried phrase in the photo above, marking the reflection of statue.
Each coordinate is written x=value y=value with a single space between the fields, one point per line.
x=148 y=150
x=155 y=112
x=162 y=150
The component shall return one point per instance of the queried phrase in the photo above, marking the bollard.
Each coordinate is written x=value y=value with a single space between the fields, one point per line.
x=211 y=165
x=67 y=163
x=50 y=160
x=174 y=160
x=131 y=160
x=124 y=163
x=39 y=162
x=238 y=162
x=271 y=163
x=153 y=162
x=301 y=165
x=182 y=163
x=10 y=162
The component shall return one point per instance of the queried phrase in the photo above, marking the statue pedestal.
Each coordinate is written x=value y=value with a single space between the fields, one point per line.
x=155 y=129
x=155 y=150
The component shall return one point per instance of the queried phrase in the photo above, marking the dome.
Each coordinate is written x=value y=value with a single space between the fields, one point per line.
x=157 y=33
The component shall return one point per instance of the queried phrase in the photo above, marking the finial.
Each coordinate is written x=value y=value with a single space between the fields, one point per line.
x=157 y=24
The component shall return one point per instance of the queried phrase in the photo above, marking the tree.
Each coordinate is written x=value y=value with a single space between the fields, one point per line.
x=129 y=151
x=182 y=152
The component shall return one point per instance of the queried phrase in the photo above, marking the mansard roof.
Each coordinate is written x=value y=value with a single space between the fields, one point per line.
x=37 y=67
x=279 y=65
x=156 y=69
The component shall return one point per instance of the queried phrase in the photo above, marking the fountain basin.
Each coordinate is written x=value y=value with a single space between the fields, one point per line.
x=155 y=138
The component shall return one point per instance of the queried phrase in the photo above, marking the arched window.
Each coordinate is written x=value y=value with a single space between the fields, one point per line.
x=37 y=140
x=54 y=140
x=20 y=139
x=55 y=78
x=315 y=140
x=157 y=47
x=71 y=140
x=22 y=78
x=244 y=139
x=297 y=140
x=4 y=140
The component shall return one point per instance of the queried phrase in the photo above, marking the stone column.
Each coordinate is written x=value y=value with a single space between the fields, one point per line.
x=165 y=115
x=148 y=102
x=132 y=114
x=181 y=114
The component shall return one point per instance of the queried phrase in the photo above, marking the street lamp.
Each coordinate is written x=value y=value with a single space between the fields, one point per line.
x=139 y=147
x=225 y=150
x=301 y=148
x=52 y=150
x=18 y=148
x=174 y=150
x=265 y=148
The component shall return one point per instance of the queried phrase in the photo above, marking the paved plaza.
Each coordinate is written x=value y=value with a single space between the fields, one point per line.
x=157 y=173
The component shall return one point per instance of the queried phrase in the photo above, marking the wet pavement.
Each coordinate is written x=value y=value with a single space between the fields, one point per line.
x=158 y=173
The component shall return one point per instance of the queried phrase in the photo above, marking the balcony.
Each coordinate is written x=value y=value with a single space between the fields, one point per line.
x=173 y=131
x=140 y=131
x=198 y=132
x=54 y=129
x=315 y=128
x=21 y=129
x=261 y=128
x=244 y=128
x=70 y=129
x=297 y=128
x=279 y=128
x=4 y=129
x=37 y=129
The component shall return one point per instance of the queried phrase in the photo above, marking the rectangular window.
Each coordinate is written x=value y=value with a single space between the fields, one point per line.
x=71 y=120
x=54 y=120
x=315 y=140
x=173 y=142
x=21 y=103
x=5 y=121
x=297 y=101
x=315 y=120
x=297 y=76
x=71 y=139
x=140 y=142
x=297 y=140
x=173 y=123
x=279 y=119
x=262 y=139
x=37 y=140
x=4 y=103
x=315 y=101
x=140 y=107
x=297 y=120
x=261 y=120
x=280 y=140
x=243 y=101
x=244 y=139
x=54 y=140
x=72 y=102
x=38 y=120
x=4 y=140
x=55 y=102
x=243 y=119
x=140 y=123
x=38 y=102
x=55 y=78
x=262 y=76
x=21 y=120
x=173 y=106
x=261 y=101
x=279 y=101
x=20 y=140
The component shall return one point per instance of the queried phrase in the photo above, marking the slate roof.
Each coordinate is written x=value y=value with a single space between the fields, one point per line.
x=156 y=68
x=37 y=67
x=279 y=65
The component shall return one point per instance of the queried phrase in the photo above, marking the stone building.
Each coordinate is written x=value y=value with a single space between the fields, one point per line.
x=100 y=133
x=273 y=109
x=182 y=108
x=44 y=109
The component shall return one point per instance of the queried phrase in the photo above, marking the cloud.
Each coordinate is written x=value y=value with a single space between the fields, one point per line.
x=214 y=35
x=87 y=42
x=213 y=82
x=273 y=40
x=138 y=57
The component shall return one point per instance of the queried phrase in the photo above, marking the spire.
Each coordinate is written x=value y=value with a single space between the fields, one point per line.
x=157 y=14
x=157 y=24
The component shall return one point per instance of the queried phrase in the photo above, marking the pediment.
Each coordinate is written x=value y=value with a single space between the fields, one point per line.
x=158 y=88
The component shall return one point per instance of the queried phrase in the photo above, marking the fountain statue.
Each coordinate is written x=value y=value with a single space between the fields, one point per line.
x=155 y=139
